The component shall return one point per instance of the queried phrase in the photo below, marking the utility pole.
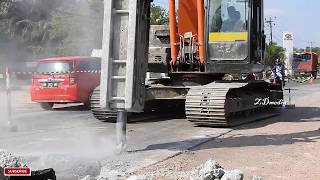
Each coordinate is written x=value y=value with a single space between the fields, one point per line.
x=310 y=47
x=270 y=23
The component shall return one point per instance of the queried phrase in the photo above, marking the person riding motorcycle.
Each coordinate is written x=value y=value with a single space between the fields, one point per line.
x=278 y=74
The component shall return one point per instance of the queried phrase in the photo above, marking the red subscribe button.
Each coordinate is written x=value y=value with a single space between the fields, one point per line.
x=17 y=171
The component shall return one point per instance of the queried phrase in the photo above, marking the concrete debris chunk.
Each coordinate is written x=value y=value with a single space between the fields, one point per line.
x=257 y=178
x=232 y=175
x=88 y=178
x=107 y=173
x=210 y=170
x=9 y=160
x=137 y=178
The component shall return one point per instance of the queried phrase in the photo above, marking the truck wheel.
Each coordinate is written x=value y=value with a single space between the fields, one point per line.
x=87 y=105
x=47 y=106
x=98 y=113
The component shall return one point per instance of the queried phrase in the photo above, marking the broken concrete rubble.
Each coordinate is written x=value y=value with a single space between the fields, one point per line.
x=9 y=160
x=232 y=175
x=88 y=178
x=211 y=170
x=257 y=178
x=137 y=178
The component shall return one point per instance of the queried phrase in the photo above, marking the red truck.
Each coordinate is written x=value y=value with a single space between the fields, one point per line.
x=65 y=80
x=306 y=63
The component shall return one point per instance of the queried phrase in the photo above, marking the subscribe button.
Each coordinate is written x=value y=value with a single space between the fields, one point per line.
x=17 y=171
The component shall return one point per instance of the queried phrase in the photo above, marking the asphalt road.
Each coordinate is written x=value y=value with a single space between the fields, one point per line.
x=75 y=144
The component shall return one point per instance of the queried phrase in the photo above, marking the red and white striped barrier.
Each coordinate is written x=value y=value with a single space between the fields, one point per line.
x=62 y=72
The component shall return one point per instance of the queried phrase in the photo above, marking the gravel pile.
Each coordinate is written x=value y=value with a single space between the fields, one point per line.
x=210 y=170
x=9 y=160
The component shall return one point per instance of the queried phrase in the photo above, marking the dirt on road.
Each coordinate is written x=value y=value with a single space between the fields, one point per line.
x=284 y=147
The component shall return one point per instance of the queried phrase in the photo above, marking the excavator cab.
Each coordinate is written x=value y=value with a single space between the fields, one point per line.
x=228 y=34
x=235 y=36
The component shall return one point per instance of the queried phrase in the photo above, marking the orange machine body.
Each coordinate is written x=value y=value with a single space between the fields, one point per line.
x=187 y=17
x=190 y=19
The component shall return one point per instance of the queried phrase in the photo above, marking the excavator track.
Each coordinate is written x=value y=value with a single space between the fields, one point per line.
x=228 y=104
x=98 y=112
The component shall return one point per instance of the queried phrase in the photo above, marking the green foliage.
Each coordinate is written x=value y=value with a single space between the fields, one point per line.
x=51 y=27
x=159 y=15
x=26 y=23
x=27 y=20
x=5 y=8
x=314 y=49
x=77 y=32
x=44 y=28
x=273 y=52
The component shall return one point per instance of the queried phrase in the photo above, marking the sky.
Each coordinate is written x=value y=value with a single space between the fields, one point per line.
x=297 y=16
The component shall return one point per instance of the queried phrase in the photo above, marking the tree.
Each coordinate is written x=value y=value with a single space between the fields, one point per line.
x=273 y=52
x=159 y=15
x=27 y=20
x=25 y=24
x=44 y=28
x=77 y=32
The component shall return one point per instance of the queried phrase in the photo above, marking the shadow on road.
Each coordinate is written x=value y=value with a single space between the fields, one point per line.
x=298 y=115
x=264 y=140
x=160 y=110
x=71 y=108
x=156 y=116
x=306 y=114
x=239 y=141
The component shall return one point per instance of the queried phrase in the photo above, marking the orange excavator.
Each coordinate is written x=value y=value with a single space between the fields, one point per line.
x=215 y=64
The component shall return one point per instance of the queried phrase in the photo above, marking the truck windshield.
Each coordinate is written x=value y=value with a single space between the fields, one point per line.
x=228 y=29
x=302 y=57
x=54 y=67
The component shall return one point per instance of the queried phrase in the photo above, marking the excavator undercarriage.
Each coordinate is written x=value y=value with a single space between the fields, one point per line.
x=226 y=104
x=217 y=104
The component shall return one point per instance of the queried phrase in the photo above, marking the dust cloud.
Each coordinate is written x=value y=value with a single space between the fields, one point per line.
x=78 y=156
x=72 y=28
